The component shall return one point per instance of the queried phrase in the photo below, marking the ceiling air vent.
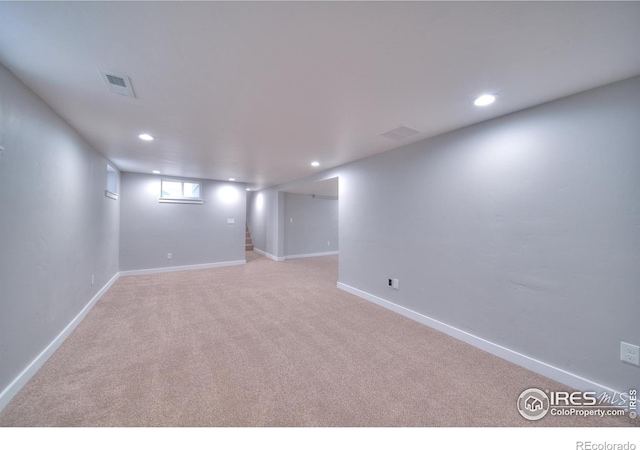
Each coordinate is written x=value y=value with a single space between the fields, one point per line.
x=117 y=84
x=400 y=133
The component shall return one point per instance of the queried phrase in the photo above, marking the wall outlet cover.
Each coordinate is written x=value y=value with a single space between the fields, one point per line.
x=630 y=353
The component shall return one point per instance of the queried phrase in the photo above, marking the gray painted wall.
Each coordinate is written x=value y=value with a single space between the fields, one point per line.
x=266 y=212
x=309 y=223
x=57 y=228
x=266 y=218
x=194 y=234
x=522 y=230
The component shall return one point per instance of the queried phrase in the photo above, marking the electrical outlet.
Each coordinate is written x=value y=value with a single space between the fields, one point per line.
x=396 y=283
x=630 y=353
x=93 y=279
x=169 y=255
x=390 y=282
x=328 y=243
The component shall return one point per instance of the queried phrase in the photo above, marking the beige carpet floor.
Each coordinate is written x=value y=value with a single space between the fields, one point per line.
x=267 y=344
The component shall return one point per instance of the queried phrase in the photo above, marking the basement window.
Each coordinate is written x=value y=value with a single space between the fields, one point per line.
x=177 y=191
x=112 y=183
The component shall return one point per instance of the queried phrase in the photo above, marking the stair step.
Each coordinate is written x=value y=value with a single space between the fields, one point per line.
x=248 y=243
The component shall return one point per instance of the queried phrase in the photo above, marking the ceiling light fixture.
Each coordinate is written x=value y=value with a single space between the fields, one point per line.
x=315 y=163
x=157 y=172
x=145 y=137
x=248 y=189
x=232 y=179
x=484 y=100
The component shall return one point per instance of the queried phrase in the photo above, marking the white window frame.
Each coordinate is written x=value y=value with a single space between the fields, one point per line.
x=182 y=199
x=112 y=188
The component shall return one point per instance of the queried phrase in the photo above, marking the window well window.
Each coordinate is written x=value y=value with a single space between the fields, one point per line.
x=112 y=183
x=176 y=191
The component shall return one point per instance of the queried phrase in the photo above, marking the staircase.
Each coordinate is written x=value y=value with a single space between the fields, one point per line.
x=248 y=243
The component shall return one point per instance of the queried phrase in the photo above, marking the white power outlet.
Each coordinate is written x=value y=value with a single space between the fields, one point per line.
x=328 y=243
x=630 y=353
x=169 y=255
x=93 y=279
x=396 y=283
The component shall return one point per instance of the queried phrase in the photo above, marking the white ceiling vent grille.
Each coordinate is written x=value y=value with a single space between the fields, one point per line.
x=117 y=84
x=400 y=133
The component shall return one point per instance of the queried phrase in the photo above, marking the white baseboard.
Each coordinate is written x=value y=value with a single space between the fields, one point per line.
x=127 y=273
x=310 y=255
x=555 y=373
x=18 y=383
x=268 y=255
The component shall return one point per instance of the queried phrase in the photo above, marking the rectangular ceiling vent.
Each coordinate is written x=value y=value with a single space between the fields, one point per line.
x=117 y=84
x=400 y=133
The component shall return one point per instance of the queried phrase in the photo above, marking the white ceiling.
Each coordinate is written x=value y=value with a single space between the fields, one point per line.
x=257 y=90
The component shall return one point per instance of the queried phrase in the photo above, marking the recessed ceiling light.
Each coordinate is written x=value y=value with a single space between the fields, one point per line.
x=248 y=189
x=232 y=179
x=484 y=100
x=145 y=137
x=315 y=163
x=156 y=172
